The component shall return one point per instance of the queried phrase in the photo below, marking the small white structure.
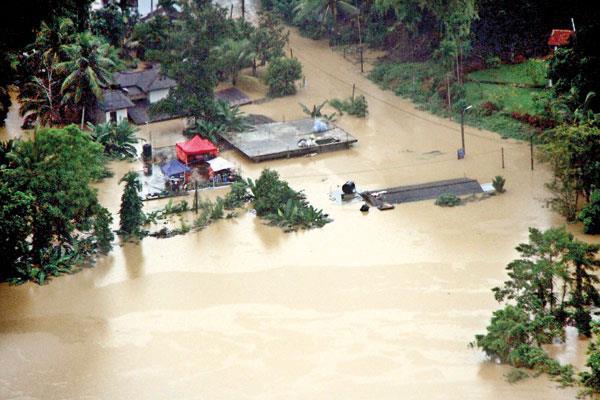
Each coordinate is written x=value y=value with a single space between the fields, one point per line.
x=220 y=164
x=113 y=107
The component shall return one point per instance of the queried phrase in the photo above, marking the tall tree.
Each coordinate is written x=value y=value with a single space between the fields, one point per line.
x=573 y=153
x=270 y=37
x=131 y=213
x=88 y=66
x=188 y=59
x=55 y=171
x=233 y=55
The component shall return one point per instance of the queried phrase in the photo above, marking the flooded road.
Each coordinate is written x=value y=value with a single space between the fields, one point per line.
x=372 y=306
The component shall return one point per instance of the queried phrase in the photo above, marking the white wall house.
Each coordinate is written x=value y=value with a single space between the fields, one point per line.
x=112 y=107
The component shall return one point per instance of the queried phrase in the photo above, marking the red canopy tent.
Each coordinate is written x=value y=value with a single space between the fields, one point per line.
x=196 y=149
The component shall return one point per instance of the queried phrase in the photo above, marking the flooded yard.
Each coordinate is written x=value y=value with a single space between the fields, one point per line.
x=372 y=306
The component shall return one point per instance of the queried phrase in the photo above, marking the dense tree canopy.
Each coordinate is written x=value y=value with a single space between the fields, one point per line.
x=46 y=183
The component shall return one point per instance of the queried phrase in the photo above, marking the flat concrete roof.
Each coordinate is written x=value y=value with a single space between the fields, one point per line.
x=288 y=139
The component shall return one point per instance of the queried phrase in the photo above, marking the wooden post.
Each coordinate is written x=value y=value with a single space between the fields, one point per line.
x=362 y=69
x=244 y=9
x=359 y=35
x=291 y=53
x=196 y=196
x=344 y=50
x=353 y=88
x=502 y=150
x=531 y=149
x=231 y=12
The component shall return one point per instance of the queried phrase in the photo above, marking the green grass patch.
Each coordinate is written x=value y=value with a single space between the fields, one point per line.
x=508 y=98
x=531 y=72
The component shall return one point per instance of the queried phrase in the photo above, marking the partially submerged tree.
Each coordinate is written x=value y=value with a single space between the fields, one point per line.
x=46 y=183
x=131 y=214
x=281 y=76
x=552 y=284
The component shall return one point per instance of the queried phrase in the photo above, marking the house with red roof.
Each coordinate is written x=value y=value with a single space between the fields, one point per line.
x=560 y=37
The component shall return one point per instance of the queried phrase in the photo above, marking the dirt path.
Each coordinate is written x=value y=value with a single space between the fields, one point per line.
x=376 y=306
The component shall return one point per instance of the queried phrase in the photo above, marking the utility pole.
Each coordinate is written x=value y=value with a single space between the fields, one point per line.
x=462 y=126
x=531 y=149
x=362 y=69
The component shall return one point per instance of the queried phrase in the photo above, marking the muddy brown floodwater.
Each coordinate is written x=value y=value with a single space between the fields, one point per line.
x=375 y=306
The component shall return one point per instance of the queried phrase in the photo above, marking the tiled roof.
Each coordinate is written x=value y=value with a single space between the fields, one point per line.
x=560 y=37
x=114 y=100
x=146 y=80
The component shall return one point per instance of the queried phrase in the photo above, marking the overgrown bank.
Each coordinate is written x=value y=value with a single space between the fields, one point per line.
x=503 y=97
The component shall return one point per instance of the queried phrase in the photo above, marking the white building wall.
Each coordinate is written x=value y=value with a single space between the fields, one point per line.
x=121 y=115
x=157 y=95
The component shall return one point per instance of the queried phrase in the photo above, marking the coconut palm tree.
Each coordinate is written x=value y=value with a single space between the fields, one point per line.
x=40 y=98
x=233 y=55
x=88 y=65
x=322 y=9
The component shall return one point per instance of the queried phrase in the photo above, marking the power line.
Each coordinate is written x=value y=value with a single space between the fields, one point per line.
x=388 y=168
x=371 y=95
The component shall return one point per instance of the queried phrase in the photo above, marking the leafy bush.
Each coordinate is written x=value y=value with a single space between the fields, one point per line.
x=206 y=130
x=237 y=196
x=498 y=184
x=217 y=210
x=537 y=70
x=447 y=200
x=591 y=379
x=492 y=62
x=281 y=74
x=590 y=215
x=356 y=106
x=488 y=108
x=230 y=118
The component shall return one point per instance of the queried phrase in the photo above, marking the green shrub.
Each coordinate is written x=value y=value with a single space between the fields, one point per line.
x=447 y=200
x=498 y=184
x=217 y=211
x=281 y=74
x=206 y=130
x=590 y=215
x=356 y=106
x=492 y=62
x=591 y=379
x=237 y=196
